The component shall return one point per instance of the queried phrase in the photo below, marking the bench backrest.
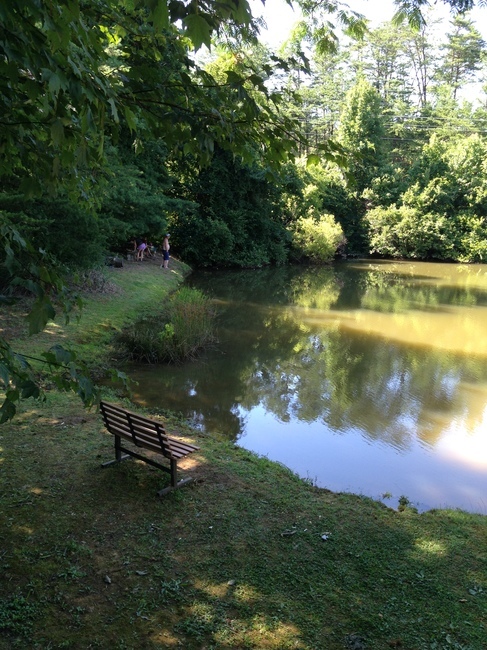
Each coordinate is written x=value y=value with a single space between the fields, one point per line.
x=138 y=429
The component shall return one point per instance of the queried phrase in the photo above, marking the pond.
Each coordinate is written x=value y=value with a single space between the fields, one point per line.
x=368 y=377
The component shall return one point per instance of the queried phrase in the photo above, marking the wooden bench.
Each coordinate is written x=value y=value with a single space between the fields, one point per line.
x=148 y=434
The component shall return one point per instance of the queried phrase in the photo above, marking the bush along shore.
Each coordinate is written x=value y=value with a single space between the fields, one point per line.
x=248 y=556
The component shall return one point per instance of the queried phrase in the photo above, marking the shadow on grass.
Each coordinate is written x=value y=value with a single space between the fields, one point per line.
x=246 y=557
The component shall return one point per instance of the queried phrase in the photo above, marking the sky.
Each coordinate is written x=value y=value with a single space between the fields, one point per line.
x=280 y=18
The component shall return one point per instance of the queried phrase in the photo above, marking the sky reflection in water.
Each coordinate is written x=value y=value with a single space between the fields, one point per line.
x=364 y=377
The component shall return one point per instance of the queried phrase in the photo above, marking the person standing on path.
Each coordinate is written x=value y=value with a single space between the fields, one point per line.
x=165 y=251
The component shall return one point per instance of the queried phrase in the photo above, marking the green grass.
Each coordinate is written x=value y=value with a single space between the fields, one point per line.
x=137 y=289
x=236 y=560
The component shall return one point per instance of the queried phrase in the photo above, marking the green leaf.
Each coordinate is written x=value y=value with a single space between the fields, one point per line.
x=57 y=132
x=113 y=106
x=130 y=118
x=177 y=10
x=44 y=275
x=7 y=411
x=257 y=80
x=13 y=395
x=86 y=390
x=313 y=159
x=198 y=30
x=62 y=355
x=233 y=77
x=4 y=374
x=87 y=123
x=29 y=389
x=242 y=13
x=30 y=285
x=54 y=83
x=50 y=357
x=41 y=313
x=160 y=14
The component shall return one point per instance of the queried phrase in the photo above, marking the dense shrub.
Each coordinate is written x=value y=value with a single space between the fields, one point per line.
x=185 y=327
x=408 y=233
x=232 y=216
x=318 y=238
x=442 y=215
x=473 y=239
x=323 y=190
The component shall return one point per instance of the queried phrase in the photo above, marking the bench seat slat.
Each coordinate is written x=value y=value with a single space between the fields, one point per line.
x=181 y=447
x=144 y=437
x=151 y=443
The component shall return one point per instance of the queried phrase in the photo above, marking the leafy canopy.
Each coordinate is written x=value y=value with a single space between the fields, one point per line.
x=76 y=72
x=73 y=72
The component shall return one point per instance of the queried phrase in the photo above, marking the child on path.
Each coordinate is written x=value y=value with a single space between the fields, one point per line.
x=140 y=250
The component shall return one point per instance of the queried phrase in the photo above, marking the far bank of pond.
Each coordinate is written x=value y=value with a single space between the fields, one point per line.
x=367 y=376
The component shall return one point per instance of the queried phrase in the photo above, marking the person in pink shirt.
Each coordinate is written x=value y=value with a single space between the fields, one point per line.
x=140 y=250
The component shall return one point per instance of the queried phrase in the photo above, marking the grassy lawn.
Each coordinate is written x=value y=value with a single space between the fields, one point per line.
x=248 y=556
x=135 y=289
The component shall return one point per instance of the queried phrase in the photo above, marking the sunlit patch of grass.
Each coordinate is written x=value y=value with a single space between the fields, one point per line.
x=24 y=530
x=138 y=289
x=431 y=547
x=164 y=639
x=215 y=590
x=273 y=633
x=246 y=593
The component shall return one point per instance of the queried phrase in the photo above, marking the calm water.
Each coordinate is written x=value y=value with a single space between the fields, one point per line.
x=364 y=377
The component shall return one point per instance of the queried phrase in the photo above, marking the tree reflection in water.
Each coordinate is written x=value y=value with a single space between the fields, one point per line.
x=395 y=351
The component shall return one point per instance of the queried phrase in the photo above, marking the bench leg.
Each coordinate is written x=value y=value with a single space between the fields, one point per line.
x=118 y=453
x=174 y=480
x=117 y=460
x=161 y=493
x=174 y=473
